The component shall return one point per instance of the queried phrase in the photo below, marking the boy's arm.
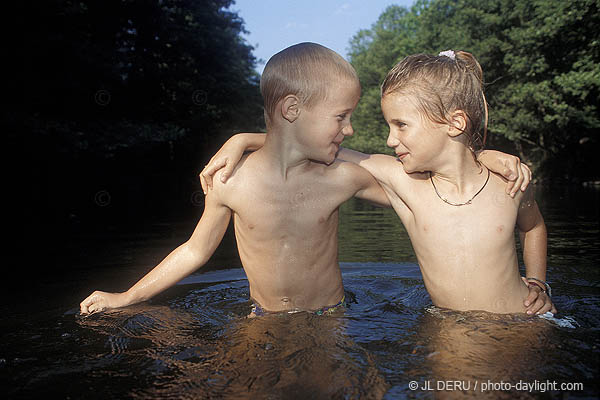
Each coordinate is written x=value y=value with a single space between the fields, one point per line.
x=510 y=167
x=377 y=164
x=178 y=264
x=232 y=151
x=532 y=232
x=229 y=156
x=368 y=187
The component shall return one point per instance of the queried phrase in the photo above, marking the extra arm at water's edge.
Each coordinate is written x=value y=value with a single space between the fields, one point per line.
x=181 y=262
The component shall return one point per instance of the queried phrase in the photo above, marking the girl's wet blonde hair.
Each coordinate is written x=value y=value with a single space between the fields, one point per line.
x=441 y=85
x=306 y=70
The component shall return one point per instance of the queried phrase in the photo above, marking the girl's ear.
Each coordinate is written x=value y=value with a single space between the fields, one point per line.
x=458 y=123
x=290 y=108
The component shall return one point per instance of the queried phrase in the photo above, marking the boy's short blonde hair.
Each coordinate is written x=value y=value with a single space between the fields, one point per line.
x=305 y=70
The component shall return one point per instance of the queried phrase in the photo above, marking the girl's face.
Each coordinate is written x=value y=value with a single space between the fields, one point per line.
x=415 y=139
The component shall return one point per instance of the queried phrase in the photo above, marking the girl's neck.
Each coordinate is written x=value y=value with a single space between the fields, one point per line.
x=459 y=172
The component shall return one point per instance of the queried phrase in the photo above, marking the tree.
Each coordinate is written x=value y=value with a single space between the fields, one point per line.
x=97 y=70
x=122 y=96
x=550 y=102
x=541 y=64
x=372 y=53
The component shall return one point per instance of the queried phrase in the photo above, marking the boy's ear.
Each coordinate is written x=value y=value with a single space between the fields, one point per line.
x=290 y=107
x=458 y=123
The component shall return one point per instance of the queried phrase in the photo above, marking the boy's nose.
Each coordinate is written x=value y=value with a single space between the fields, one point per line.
x=348 y=130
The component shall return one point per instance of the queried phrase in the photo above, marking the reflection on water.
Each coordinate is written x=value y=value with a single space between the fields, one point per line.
x=194 y=341
x=475 y=347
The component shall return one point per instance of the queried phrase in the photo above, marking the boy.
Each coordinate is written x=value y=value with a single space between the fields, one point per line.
x=284 y=198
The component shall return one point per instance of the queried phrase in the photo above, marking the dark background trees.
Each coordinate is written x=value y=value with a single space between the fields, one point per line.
x=125 y=86
x=114 y=107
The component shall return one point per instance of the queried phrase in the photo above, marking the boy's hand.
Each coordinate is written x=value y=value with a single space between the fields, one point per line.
x=99 y=301
x=227 y=157
x=518 y=174
x=538 y=302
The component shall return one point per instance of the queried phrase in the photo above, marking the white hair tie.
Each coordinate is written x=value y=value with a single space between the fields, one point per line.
x=448 y=53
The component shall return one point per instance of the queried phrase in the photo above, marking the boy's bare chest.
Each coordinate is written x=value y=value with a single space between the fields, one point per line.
x=292 y=209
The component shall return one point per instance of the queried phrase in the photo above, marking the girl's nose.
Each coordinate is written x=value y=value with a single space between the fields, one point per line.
x=392 y=141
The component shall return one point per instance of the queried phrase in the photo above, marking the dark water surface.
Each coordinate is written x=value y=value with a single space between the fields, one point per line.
x=193 y=341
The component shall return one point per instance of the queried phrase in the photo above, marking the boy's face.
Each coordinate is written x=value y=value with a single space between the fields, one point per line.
x=324 y=126
x=415 y=139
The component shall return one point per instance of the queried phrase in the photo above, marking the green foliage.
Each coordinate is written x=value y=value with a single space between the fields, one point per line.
x=550 y=101
x=540 y=59
x=372 y=53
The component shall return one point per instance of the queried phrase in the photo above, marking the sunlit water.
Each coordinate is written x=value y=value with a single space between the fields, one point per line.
x=194 y=340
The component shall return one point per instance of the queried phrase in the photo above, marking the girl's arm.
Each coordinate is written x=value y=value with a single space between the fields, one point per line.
x=229 y=156
x=533 y=236
x=177 y=265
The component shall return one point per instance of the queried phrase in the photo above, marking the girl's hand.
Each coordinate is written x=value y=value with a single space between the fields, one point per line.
x=537 y=302
x=100 y=301
x=518 y=174
x=227 y=157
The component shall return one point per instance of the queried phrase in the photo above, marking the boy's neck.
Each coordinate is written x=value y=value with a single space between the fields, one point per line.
x=282 y=153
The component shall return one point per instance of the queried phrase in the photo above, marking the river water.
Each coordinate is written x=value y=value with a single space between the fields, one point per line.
x=193 y=341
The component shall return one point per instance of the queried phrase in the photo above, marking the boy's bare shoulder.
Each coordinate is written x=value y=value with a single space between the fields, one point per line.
x=239 y=177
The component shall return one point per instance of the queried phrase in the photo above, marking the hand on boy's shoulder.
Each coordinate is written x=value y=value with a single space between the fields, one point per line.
x=499 y=183
x=225 y=192
x=233 y=178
